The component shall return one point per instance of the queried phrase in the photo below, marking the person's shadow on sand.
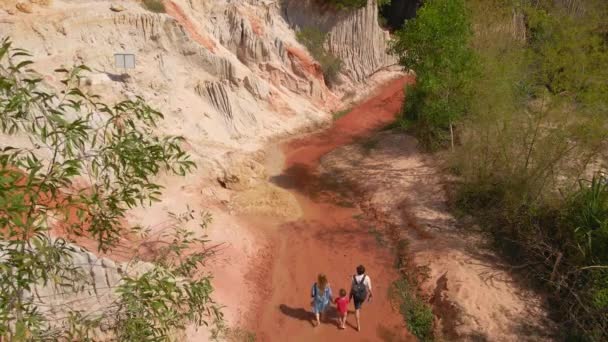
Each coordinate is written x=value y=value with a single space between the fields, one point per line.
x=299 y=313
x=330 y=316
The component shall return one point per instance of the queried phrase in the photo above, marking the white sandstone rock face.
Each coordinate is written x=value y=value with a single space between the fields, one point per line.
x=226 y=73
x=93 y=294
x=353 y=35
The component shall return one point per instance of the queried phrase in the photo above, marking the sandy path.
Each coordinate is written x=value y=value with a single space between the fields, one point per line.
x=328 y=238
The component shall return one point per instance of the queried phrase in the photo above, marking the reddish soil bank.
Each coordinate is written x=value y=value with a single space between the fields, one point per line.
x=329 y=239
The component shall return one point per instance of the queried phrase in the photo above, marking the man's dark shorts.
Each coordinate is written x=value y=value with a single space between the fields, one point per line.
x=358 y=303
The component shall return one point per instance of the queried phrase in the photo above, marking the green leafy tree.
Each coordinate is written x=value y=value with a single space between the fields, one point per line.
x=82 y=165
x=435 y=45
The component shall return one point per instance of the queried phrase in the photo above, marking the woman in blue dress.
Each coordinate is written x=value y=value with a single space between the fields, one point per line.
x=321 y=297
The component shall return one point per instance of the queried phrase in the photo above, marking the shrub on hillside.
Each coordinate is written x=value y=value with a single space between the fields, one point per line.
x=156 y=6
x=331 y=66
x=314 y=39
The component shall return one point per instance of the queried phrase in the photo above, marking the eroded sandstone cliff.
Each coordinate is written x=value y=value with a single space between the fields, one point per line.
x=228 y=74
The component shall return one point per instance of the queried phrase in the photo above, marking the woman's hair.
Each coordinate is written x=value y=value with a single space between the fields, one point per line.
x=322 y=281
x=342 y=292
x=360 y=269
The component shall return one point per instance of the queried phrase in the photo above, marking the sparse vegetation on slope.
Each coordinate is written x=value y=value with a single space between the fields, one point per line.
x=416 y=313
x=314 y=41
x=537 y=125
x=156 y=6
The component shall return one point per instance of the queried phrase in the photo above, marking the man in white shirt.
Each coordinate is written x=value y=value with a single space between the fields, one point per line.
x=361 y=289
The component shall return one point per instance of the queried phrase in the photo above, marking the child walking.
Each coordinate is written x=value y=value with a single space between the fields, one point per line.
x=342 y=304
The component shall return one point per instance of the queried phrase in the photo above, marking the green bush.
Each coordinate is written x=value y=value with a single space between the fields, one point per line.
x=156 y=6
x=416 y=313
x=314 y=39
x=331 y=67
x=588 y=214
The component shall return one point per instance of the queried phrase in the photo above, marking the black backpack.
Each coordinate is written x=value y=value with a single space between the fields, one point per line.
x=359 y=289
